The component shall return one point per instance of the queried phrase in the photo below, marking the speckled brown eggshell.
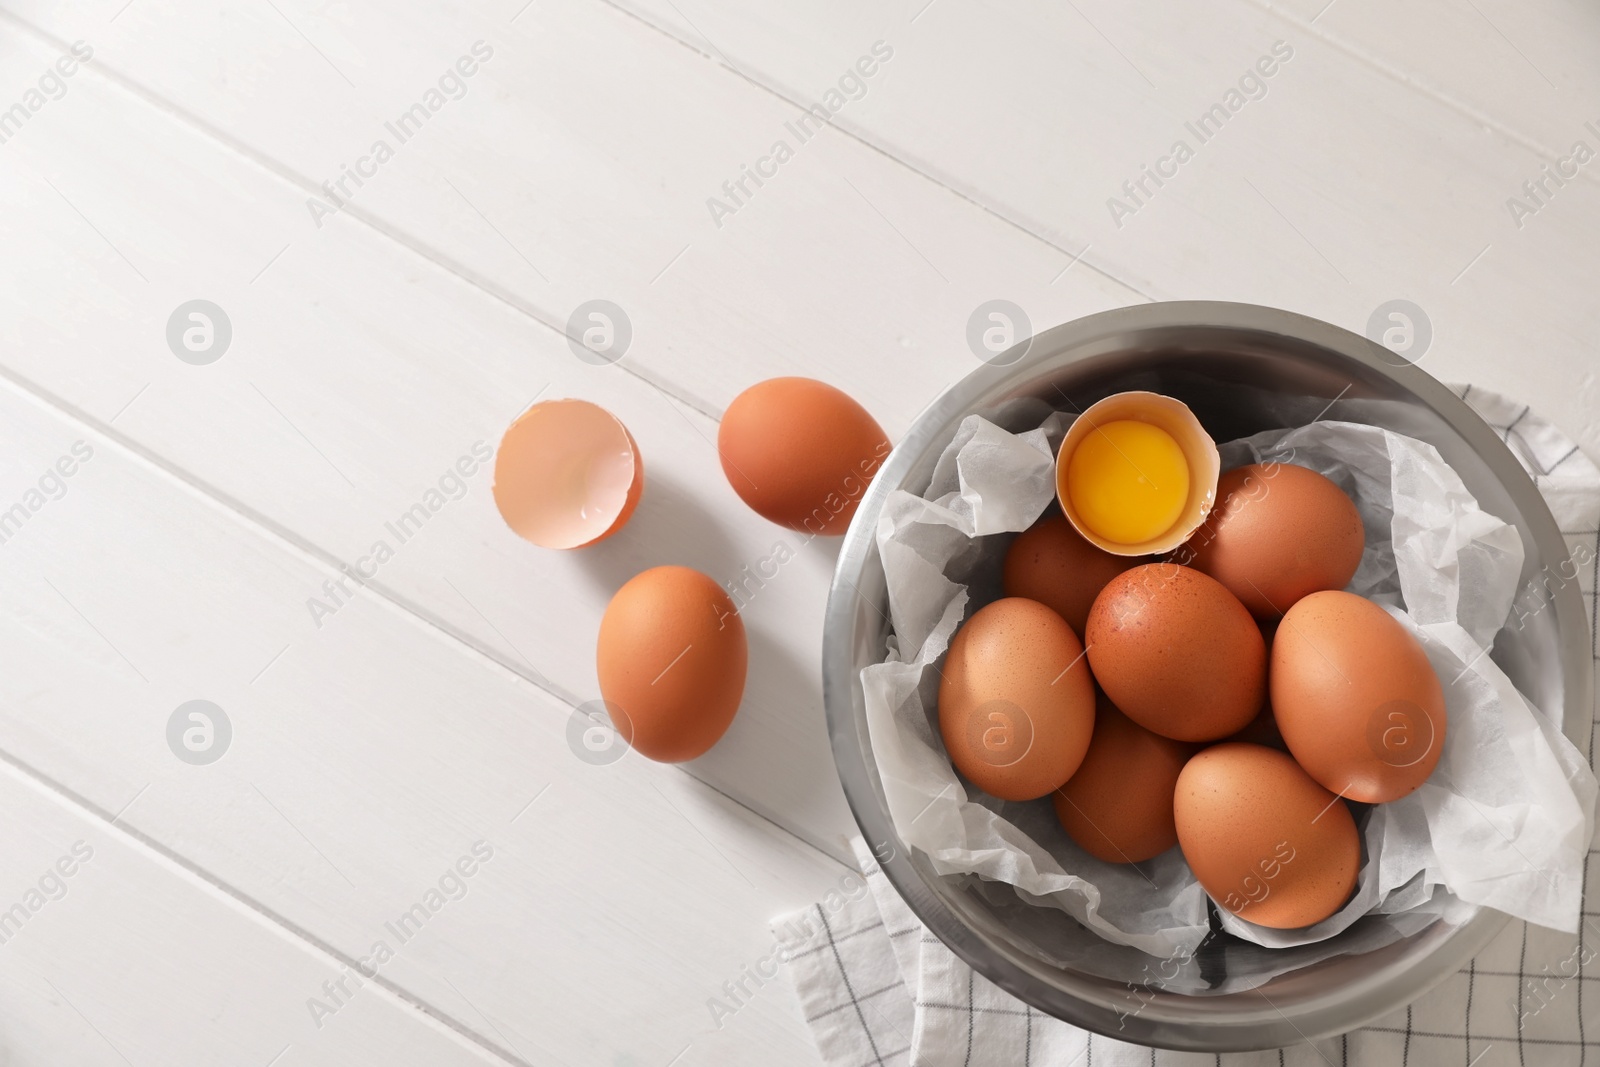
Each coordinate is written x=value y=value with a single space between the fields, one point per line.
x=1355 y=698
x=1265 y=841
x=1118 y=806
x=1016 y=703
x=1177 y=652
x=1277 y=533
x=1051 y=562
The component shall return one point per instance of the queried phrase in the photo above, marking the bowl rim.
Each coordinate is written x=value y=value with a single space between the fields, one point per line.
x=1251 y=1021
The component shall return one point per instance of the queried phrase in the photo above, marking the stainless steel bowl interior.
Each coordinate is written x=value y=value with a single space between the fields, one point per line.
x=1242 y=369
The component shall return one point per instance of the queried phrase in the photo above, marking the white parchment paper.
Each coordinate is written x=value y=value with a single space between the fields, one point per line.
x=1504 y=821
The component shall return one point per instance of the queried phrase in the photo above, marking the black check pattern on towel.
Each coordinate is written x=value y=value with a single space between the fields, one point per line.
x=878 y=989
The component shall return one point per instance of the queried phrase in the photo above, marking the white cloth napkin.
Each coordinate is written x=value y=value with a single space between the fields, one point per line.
x=877 y=988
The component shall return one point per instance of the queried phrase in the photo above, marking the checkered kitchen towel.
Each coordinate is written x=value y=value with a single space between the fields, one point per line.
x=877 y=988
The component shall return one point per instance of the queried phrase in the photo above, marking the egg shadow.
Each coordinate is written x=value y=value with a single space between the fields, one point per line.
x=824 y=550
x=782 y=703
x=670 y=526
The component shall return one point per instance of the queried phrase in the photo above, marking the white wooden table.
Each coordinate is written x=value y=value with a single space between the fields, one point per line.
x=225 y=912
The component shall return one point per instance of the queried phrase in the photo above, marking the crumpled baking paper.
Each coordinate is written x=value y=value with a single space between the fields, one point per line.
x=1504 y=821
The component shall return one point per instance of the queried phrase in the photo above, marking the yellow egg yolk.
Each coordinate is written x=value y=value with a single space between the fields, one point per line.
x=1128 y=481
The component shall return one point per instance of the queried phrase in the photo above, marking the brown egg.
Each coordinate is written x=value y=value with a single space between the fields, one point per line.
x=1051 y=562
x=1118 y=805
x=1356 y=699
x=671 y=657
x=1177 y=652
x=1277 y=533
x=1016 y=704
x=1266 y=842
x=800 y=453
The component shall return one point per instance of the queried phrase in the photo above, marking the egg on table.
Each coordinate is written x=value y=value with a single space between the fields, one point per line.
x=800 y=453
x=671 y=657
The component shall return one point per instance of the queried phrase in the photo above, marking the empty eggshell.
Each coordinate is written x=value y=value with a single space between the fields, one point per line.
x=800 y=453
x=671 y=658
x=1118 y=804
x=1265 y=841
x=1051 y=562
x=1199 y=453
x=567 y=474
x=1016 y=705
x=1355 y=697
x=1277 y=533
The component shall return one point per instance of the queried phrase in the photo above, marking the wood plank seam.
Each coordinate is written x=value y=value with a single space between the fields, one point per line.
x=154 y=849
x=1108 y=268
x=488 y=286
x=526 y=307
x=308 y=186
x=835 y=851
x=308 y=551
x=53 y=777
x=862 y=139
x=1400 y=77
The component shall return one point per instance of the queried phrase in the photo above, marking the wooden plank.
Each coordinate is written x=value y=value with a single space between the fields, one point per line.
x=1340 y=188
x=1527 y=69
x=366 y=763
x=1407 y=200
x=676 y=857
x=844 y=266
x=356 y=380
x=111 y=955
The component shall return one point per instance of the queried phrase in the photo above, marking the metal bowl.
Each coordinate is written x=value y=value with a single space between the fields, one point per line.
x=1242 y=369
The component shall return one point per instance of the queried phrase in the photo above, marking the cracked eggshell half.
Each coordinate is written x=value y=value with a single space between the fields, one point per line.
x=567 y=474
